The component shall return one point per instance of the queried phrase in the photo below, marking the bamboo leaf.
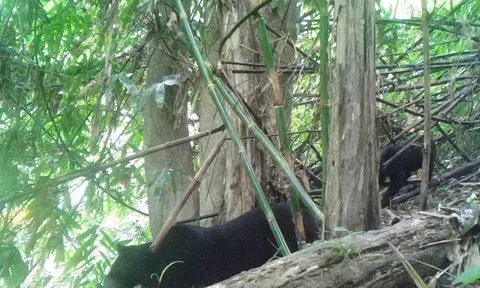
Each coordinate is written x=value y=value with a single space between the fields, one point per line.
x=469 y=276
x=12 y=268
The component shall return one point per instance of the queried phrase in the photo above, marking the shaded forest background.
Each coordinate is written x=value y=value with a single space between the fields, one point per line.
x=72 y=93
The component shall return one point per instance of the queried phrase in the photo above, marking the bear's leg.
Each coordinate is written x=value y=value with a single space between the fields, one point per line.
x=397 y=181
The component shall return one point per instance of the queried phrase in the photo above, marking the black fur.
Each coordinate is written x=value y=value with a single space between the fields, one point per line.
x=400 y=169
x=209 y=255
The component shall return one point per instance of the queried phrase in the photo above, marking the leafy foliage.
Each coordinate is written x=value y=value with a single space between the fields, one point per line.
x=63 y=110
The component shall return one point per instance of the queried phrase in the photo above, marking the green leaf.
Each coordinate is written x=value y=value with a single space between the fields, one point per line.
x=128 y=84
x=90 y=197
x=12 y=267
x=173 y=184
x=468 y=276
x=158 y=90
x=340 y=229
x=162 y=178
x=83 y=252
x=129 y=11
x=144 y=96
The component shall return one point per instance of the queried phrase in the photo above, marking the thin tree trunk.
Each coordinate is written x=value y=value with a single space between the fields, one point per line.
x=164 y=124
x=225 y=182
x=427 y=139
x=226 y=188
x=352 y=188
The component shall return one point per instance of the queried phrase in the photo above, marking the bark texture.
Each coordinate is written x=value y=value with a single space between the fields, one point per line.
x=225 y=182
x=352 y=188
x=226 y=188
x=164 y=124
x=361 y=260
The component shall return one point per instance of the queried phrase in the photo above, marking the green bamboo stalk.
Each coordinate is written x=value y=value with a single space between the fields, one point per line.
x=264 y=43
x=284 y=144
x=324 y=99
x=285 y=150
x=206 y=74
x=270 y=148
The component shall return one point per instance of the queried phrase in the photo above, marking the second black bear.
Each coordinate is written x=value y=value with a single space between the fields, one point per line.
x=400 y=169
x=198 y=256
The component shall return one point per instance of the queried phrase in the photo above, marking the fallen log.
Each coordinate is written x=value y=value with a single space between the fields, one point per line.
x=360 y=259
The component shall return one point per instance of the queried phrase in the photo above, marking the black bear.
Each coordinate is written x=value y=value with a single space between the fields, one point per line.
x=197 y=256
x=400 y=169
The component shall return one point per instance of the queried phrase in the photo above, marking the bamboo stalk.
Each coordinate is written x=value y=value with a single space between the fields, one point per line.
x=324 y=100
x=206 y=74
x=283 y=142
x=427 y=109
x=270 y=148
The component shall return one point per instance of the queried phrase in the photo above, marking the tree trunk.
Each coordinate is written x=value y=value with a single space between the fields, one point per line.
x=164 y=124
x=226 y=188
x=361 y=260
x=225 y=176
x=352 y=191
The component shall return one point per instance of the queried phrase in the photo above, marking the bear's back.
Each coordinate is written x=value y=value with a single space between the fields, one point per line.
x=197 y=256
x=243 y=243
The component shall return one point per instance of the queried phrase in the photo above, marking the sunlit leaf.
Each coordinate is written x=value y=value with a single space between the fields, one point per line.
x=469 y=276
x=128 y=84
